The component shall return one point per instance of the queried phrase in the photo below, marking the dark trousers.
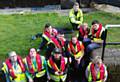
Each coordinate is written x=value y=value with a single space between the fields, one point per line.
x=75 y=26
x=41 y=79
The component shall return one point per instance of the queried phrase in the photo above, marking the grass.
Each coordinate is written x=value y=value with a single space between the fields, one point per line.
x=16 y=30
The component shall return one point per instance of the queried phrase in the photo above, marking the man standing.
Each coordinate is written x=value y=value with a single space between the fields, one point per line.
x=14 y=68
x=76 y=16
x=57 y=67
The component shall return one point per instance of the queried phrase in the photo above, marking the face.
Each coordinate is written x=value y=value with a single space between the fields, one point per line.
x=98 y=63
x=50 y=29
x=76 y=8
x=13 y=57
x=57 y=56
x=74 y=40
x=60 y=36
x=85 y=26
x=95 y=26
x=32 y=52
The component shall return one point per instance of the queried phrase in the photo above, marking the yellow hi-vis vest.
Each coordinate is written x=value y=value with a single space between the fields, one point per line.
x=38 y=74
x=21 y=77
x=76 y=19
x=80 y=52
x=90 y=74
x=99 y=39
x=57 y=78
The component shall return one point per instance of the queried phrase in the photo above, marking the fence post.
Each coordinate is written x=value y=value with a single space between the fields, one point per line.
x=104 y=44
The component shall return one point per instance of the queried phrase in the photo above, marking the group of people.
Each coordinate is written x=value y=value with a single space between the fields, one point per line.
x=63 y=60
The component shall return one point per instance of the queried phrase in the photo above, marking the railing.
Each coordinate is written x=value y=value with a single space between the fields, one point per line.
x=108 y=43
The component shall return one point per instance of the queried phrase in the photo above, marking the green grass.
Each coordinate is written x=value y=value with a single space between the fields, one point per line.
x=16 y=30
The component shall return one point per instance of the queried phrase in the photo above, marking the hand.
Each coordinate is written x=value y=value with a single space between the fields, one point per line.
x=48 y=77
x=85 y=36
x=60 y=73
x=57 y=73
x=78 y=60
x=70 y=60
x=31 y=80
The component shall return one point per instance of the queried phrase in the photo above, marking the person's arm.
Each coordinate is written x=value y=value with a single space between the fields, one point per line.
x=28 y=75
x=46 y=67
x=81 y=17
x=86 y=72
x=72 y=17
x=106 y=73
x=50 y=70
x=43 y=43
x=5 y=70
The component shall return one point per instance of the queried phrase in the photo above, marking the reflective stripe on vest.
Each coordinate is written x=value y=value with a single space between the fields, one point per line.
x=31 y=67
x=92 y=76
x=10 y=68
x=18 y=72
x=57 y=78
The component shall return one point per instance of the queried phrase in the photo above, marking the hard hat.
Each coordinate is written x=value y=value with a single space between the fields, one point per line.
x=57 y=50
x=92 y=47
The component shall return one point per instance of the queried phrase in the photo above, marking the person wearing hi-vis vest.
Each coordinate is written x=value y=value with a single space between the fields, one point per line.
x=76 y=51
x=83 y=32
x=96 y=71
x=76 y=48
x=14 y=68
x=48 y=39
x=98 y=31
x=36 y=66
x=57 y=67
x=76 y=16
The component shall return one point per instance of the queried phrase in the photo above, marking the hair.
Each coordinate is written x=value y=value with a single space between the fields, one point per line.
x=73 y=35
x=95 y=22
x=76 y=4
x=97 y=59
x=12 y=52
x=47 y=25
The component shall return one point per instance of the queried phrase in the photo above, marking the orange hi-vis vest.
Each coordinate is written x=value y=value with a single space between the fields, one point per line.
x=97 y=34
x=94 y=75
x=53 y=39
x=54 y=66
x=38 y=61
x=77 y=48
x=9 y=64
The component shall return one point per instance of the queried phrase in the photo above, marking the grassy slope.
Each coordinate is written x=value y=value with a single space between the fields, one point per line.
x=16 y=30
